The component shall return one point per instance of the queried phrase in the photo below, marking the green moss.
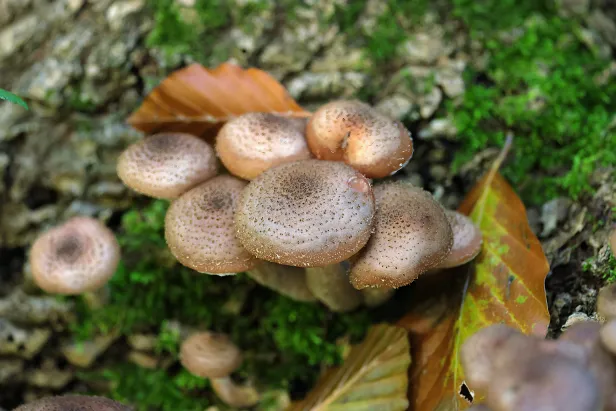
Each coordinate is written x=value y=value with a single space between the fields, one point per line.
x=543 y=85
x=284 y=341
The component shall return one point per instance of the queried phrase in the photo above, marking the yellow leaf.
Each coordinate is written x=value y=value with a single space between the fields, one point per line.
x=372 y=378
x=504 y=284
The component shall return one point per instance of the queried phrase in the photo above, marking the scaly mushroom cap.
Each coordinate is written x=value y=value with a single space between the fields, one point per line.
x=199 y=228
x=250 y=144
x=467 y=240
x=353 y=132
x=606 y=302
x=411 y=236
x=166 y=165
x=210 y=355
x=306 y=213
x=75 y=257
x=74 y=403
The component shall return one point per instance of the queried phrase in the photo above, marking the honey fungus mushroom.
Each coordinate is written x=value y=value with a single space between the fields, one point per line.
x=199 y=228
x=76 y=257
x=411 y=236
x=74 y=403
x=467 y=240
x=166 y=165
x=307 y=213
x=251 y=143
x=354 y=132
x=213 y=355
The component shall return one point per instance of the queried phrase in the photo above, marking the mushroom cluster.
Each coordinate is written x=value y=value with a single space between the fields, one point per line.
x=576 y=372
x=295 y=208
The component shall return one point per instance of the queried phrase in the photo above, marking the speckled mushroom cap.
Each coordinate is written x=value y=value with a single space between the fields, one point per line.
x=166 y=165
x=77 y=256
x=467 y=240
x=210 y=355
x=74 y=403
x=199 y=228
x=411 y=236
x=606 y=302
x=251 y=143
x=306 y=213
x=354 y=132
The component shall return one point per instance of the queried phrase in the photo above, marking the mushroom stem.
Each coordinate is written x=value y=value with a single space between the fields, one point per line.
x=286 y=280
x=331 y=286
x=373 y=297
x=97 y=299
x=234 y=395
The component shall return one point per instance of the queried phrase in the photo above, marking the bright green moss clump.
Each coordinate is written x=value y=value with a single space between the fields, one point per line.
x=545 y=84
x=284 y=341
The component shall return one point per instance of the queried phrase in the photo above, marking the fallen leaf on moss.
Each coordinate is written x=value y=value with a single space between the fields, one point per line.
x=504 y=284
x=198 y=100
x=373 y=376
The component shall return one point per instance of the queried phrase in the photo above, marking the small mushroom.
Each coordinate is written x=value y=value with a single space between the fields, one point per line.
x=199 y=228
x=411 y=236
x=307 y=213
x=74 y=403
x=78 y=256
x=214 y=356
x=467 y=240
x=166 y=165
x=251 y=143
x=330 y=284
x=608 y=336
x=354 y=132
x=606 y=302
x=286 y=280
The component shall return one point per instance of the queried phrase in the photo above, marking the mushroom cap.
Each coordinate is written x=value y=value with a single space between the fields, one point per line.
x=606 y=302
x=354 y=132
x=547 y=383
x=613 y=241
x=210 y=355
x=467 y=240
x=411 y=236
x=608 y=336
x=306 y=213
x=77 y=256
x=74 y=403
x=251 y=143
x=166 y=165
x=199 y=228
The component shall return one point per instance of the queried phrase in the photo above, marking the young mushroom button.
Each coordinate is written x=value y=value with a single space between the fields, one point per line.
x=78 y=256
x=251 y=143
x=199 y=228
x=354 y=132
x=74 y=403
x=412 y=235
x=306 y=213
x=214 y=356
x=166 y=165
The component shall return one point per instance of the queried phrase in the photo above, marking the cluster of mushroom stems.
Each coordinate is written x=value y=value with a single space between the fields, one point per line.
x=294 y=205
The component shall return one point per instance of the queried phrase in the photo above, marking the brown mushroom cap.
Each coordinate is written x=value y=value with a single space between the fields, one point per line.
x=75 y=257
x=353 y=132
x=467 y=240
x=606 y=302
x=411 y=236
x=251 y=143
x=74 y=403
x=306 y=213
x=210 y=355
x=613 y=241
x=199 y=228
x=608 y=336
x=166 y=165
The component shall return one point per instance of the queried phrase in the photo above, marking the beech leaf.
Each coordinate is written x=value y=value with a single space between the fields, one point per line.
x=374 y=376
x=198 y=100
x=504 y=284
